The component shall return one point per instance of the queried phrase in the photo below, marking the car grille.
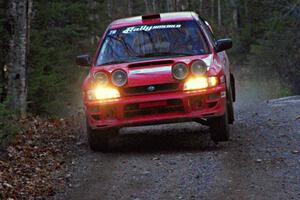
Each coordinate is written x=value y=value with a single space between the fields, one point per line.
x=153 y=89
x=153 y=108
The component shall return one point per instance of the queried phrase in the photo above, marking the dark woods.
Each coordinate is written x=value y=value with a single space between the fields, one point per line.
x=39 y=40
x=41 y=130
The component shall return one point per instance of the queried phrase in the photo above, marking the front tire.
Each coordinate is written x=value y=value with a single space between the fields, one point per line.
x=219 y=128
x=230 y=109
x=100 y=140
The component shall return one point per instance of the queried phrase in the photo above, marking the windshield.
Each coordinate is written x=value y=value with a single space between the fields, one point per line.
x=142 y=42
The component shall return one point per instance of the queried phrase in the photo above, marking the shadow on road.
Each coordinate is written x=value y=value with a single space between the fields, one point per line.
x=170 y=138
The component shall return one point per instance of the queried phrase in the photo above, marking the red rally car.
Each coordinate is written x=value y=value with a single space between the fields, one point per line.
x=154 y=69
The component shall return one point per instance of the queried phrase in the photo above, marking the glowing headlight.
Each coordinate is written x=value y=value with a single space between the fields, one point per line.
x=180 y=71
x=119 y=78
x=197 y=83
x=102 y=93
x=101 y=78
x=199 y=67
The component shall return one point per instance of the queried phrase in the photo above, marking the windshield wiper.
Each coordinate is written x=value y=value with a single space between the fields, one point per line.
x=114 y=62
x=155 y=54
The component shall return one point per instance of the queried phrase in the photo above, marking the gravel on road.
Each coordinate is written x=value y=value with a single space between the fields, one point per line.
x=178 y=161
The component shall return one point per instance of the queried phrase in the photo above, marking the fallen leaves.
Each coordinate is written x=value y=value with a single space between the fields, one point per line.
x=33 y=165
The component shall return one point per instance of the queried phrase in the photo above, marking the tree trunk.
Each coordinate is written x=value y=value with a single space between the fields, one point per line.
x=3 y=83
x=147 y=6
x=212 y=9
x=130 y=7
x=219 y=14
x=189 y=5
x=29 y=16
x=154 y=6
x=109 y=9
x=177 y=5
x=169 y=5
x=235 y=14
x=19 y=14
x=3 y=54
x=201 y=7
x=93 y=17
x=246 y=8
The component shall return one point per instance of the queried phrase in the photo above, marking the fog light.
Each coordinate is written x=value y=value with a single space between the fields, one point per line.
x=93 y=109
x=213 y=96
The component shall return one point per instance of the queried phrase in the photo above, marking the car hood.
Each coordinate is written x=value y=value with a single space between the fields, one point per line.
x=151 y=72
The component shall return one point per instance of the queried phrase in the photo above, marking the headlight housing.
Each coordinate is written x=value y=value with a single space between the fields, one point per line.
x=212 y=81
x=102 y=93
x=101 y=78
x=180 y=71
x=199 y=67
x=119 y=78
x=201 y=82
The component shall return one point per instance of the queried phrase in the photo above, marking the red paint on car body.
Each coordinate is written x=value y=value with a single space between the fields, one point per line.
x=138 y=106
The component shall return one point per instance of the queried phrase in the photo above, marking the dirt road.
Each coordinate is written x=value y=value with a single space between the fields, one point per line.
x=262 y=160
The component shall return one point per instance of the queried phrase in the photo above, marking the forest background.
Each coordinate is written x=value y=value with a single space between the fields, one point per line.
x=40 y=39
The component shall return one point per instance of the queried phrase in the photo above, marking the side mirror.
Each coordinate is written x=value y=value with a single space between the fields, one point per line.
x=84 y=60
x=223 y=44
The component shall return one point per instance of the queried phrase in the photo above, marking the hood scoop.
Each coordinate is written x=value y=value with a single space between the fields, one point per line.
x=151 y=63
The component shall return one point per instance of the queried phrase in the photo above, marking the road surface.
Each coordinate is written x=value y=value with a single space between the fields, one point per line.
x=178 y=161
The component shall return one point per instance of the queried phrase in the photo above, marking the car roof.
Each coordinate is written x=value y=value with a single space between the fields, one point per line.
x=164 y=17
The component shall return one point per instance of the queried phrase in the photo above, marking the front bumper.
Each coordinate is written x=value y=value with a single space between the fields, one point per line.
x=158 y=107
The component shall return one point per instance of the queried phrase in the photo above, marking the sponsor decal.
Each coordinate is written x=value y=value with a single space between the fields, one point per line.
x=150 y=28
x=223 y=94
x=112 y=32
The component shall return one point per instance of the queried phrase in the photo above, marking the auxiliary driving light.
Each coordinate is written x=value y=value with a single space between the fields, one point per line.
x=199 y=67
x=180 y=71
x=103 y=93
x=119 y=78
x=101 y=78
x=197 y=83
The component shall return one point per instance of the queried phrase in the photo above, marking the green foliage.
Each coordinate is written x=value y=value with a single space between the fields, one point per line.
x=266 y=40
x=60 y=31
x=63 y=29
x=277 y=50
x=8 y=124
